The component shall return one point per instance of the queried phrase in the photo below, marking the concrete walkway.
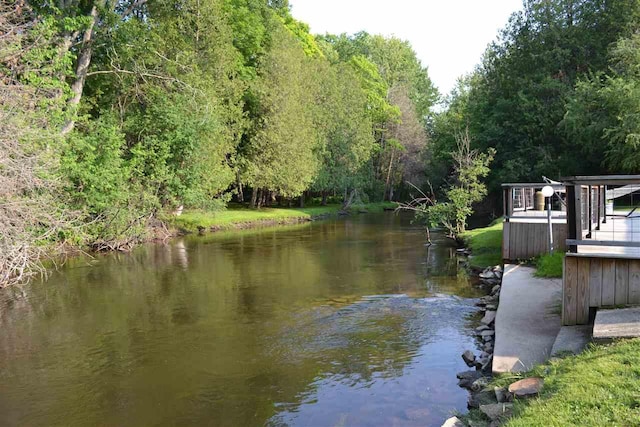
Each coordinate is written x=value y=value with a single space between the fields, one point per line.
x=528 y=319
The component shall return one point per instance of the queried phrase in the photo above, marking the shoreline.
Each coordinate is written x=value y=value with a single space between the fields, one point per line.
x=203 y=222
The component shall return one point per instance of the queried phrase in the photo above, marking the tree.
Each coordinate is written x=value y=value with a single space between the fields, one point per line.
x=518 y=96
x=345 y=129
x=282 y=152
x=32 y=95
x=603 y=115
x=464 y=190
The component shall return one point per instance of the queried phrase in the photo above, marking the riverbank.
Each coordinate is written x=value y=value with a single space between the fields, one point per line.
x=596 y=388
x=485 y=244
x=242 y=217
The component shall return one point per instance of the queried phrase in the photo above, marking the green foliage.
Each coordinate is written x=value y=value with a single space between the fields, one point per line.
x=517 y=99
x=485 y=244
x=466 y=190
x=550 y=265
x=603 y=115
x=92 y=162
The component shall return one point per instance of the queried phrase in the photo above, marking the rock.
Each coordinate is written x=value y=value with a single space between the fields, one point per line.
x=488 y=333
x=487 y=274
x=498 y=274
x=480 y=303
x=479 y=384
x=416 y=414
x=526 y=387
x=467 y=378
x=502 y=394
x=480 y=398
x=487 y=366
x=488 y=347
x=453 y=422
x=487 y=338
x=495 y=290
x=481 y=328
x=488 y=318
x=468 y=357
x=491 y=307
x=497 y=411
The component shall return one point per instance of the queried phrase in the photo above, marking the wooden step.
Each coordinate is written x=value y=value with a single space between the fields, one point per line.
x=616 y=323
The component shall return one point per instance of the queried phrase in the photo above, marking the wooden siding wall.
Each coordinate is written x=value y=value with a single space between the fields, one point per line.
x=597 y=282
x=524 y=240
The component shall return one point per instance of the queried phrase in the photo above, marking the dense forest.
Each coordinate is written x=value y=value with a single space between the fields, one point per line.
x=114 y=113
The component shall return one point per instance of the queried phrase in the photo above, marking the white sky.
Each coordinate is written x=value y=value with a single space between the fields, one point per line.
x=449 y=36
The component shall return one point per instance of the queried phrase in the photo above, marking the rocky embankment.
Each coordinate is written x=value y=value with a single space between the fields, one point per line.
x=494 y=402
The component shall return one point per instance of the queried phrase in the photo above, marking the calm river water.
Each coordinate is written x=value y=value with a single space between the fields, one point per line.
x=349 y=322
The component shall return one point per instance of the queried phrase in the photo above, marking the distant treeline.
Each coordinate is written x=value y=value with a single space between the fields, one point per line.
x=557 y=94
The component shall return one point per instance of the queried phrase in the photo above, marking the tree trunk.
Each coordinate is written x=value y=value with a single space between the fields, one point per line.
x=386 y=185
x=239 y=185
x=254 y=197
x=82 y=65
x=348 y=202
x=324 y=198
x=302 y=200
x=259 y=199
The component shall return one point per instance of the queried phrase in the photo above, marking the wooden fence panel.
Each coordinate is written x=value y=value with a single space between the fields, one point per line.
x=622 y=282
x=582 y=291
x=608 y=282
x=525 y=240
x=595 y=283
x=569 y=291
x=634 y=281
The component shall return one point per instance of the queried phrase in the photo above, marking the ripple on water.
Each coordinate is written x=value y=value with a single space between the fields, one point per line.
x=388 y=360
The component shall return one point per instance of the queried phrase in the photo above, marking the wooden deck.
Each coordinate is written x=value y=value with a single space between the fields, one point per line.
x=602 y=268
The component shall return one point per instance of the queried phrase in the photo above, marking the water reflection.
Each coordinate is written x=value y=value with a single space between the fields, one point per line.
x=347 y=322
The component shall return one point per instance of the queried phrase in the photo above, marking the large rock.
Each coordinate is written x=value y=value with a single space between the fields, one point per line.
x=469 y=358
x=502 y=394
x=467 y=378
x=489 y=318
x=487 y=333
x=453 y=422
x=480 y=398
x=497 y=411
x=526 y=387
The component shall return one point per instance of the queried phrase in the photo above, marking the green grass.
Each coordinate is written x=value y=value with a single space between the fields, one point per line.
x=549 y=265
x=485 y=244
x=600 y=387
x=237 y=217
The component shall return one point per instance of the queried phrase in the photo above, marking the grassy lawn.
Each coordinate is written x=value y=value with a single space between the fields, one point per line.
x=600 y=387
x=234 y=217
x=485 y=244
x=549 y=265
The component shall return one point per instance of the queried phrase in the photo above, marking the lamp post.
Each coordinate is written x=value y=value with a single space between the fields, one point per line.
x=547 y=191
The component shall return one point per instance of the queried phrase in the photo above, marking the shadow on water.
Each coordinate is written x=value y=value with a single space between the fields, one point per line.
x=339 y=322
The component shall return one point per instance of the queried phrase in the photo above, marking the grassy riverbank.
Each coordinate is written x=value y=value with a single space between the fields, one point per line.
x=242 y=217
x=485 y=244
x=599 y=387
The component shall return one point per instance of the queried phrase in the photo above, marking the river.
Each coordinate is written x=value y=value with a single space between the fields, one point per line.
x=345 y=322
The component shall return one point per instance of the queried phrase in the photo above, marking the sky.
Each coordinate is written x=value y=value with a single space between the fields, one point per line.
x=449 y=36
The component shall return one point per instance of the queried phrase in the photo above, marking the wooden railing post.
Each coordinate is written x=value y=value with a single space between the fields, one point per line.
x=573 y=216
